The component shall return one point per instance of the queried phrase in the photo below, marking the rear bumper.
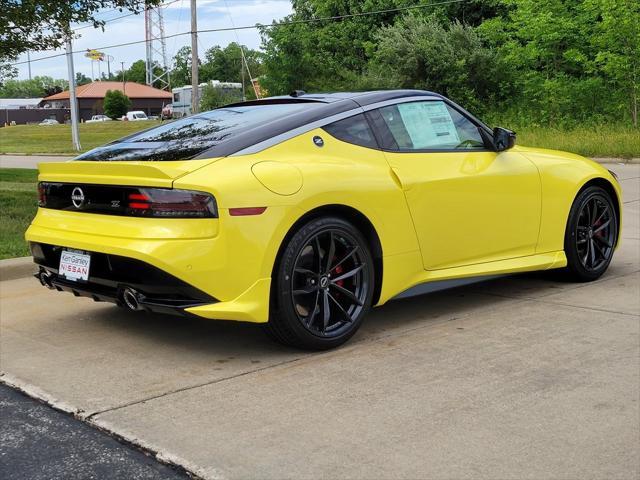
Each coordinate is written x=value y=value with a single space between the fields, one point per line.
x=229 y=259
x=113 y=275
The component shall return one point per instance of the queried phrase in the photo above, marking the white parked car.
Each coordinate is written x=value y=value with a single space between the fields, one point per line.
x=49 y=121
x=99 y=118
x=135 y=116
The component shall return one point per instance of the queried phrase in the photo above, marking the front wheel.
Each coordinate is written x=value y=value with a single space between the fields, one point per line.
x=591 y=234
x=323 y=285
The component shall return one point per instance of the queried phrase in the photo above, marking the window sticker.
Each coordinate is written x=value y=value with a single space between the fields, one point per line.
x=429 y=124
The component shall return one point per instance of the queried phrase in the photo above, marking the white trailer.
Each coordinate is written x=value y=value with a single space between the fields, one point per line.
x=181 y=105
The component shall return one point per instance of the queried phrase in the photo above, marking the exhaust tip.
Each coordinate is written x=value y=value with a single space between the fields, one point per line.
x=130 y=299
x=45 y=279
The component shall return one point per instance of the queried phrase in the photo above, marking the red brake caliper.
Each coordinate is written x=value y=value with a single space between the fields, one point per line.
x=339 y=270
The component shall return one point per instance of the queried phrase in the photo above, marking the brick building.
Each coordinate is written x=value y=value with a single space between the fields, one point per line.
x=91 y=97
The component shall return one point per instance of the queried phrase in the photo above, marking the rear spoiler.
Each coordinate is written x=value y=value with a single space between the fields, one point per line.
x=150 y=174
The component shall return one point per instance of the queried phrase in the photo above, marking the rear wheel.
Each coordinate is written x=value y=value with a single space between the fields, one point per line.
x=591 y=234
x=323 y=285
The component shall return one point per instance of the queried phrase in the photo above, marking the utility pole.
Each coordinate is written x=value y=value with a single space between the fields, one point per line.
x=122 y=64
x=29 y=63
x=73 y=101
x=109 y=58
x=244 y=96
x=195 y=101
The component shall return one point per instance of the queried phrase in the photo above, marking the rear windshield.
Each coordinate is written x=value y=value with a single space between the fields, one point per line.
x=187 y=137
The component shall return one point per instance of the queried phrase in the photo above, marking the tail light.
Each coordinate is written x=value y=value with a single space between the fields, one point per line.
x=128 y=201
x=159 y=202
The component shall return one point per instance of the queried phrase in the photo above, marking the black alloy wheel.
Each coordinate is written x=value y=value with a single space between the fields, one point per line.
x=324 y=285
x=592 y=233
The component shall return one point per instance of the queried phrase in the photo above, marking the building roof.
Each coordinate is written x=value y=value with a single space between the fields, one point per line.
x=13 y=103
x=99 y=90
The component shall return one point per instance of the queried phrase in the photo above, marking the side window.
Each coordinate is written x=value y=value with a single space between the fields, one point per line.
x=429 y=125
x=354 y=130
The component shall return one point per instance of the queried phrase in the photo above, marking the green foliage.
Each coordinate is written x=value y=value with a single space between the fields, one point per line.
x=116 y=104
x=572 y=61
x=225 y=64
x=82 y=79
x=547 y=62
x=137 y=72
x=181 y=70
x=329 y=55
x=213 y=97
x=617 y=40
x=34 y=88
x=44 y=24
x=6 y=70
x=419 y=52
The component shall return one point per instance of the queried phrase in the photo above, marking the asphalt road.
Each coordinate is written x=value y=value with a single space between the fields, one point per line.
x=40 y=443
x=521 y=377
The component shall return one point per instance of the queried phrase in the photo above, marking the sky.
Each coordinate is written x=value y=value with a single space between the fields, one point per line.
x=211 y=14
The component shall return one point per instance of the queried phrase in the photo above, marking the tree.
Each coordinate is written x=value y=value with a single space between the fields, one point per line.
x=329 y=55
x=44 y=25
x=225 y=64
x=116 y=104
x=181 y=70
x=7 y=71
x=617 y=37
x=137 y=72
x=419 y=52
x=213 y=97
x=82 y=79
x=40 y=86
x=575 y=59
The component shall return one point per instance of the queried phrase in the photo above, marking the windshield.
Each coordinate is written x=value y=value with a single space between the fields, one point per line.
x=187 y=137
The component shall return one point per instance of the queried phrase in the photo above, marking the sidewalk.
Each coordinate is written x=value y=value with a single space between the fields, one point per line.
x=32 y=161
x=29 y=161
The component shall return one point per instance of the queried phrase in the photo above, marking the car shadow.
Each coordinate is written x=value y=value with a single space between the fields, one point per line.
x=230 y=340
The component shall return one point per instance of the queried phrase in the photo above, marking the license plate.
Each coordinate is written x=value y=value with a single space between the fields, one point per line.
x=74 y=266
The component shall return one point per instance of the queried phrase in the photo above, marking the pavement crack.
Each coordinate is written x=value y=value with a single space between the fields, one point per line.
x=91 y=416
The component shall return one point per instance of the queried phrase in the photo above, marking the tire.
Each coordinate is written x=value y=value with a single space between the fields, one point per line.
x=322 y=286
x=591 y=235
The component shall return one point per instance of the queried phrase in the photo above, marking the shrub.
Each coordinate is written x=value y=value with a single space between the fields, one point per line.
x=116 y=104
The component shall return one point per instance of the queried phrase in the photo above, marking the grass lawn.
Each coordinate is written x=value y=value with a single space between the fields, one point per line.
x=57 y=138
x=18 y=198
x=594 y=141
x=602 y=141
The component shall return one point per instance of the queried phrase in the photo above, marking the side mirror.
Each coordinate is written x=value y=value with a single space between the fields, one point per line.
x=503 y=139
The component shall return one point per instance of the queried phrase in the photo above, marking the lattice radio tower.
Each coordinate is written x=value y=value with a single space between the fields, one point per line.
x=156 y=47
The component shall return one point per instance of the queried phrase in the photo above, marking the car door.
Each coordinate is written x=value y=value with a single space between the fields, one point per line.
x=469 y=204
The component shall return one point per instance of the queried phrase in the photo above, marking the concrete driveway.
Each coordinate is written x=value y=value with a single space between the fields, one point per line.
x=521 y=377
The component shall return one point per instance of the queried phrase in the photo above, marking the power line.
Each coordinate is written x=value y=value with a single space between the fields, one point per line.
x=258 y=25
x=109 y=20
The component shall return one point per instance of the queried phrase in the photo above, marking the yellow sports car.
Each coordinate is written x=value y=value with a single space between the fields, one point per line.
x=302 y=212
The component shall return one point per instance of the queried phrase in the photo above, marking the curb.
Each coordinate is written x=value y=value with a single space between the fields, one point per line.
x=35 y=393
x=14 y=268
x=623 y=161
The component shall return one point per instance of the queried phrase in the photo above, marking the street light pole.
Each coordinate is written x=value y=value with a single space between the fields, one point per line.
x=194 y=59
x=73 y=101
